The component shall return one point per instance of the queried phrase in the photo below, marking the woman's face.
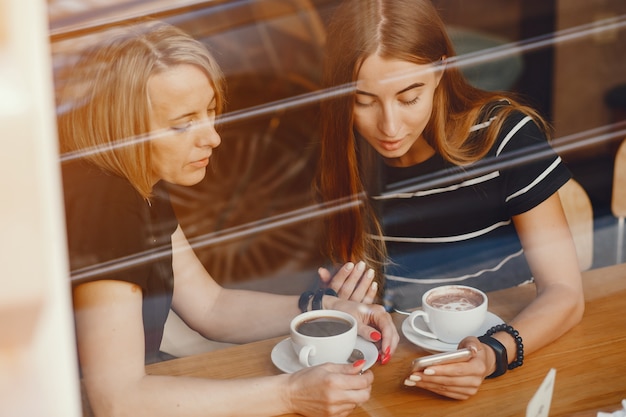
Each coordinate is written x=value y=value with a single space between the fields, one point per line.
x=392 y=105
x=182 y=117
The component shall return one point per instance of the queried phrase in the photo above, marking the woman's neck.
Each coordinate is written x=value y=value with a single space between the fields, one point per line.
x=418 y=153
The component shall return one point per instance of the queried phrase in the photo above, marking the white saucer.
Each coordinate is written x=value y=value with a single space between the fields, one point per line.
x=436 y=345
x=286 y=360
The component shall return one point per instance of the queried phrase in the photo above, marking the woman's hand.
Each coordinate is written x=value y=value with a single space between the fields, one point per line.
x=458 y=380
x=352 y=282
x=329 y=389
x=374 y=324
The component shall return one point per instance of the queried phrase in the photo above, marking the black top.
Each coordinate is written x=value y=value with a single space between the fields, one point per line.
x=446 y=224
x=114 y=234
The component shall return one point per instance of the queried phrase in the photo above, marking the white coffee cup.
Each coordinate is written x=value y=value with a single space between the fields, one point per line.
x=321 y=336
x=451 y=312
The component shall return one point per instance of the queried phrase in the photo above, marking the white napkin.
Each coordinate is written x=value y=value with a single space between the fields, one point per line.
x=618 y=413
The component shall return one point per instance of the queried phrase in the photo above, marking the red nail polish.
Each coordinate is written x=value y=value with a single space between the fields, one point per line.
x=385 y=359
x=387 y=350
x=358 y=363
x=375 y=336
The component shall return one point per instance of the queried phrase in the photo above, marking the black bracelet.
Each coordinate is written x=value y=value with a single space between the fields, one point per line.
x=303 y=301
x=317 y=298
x=519 y=358
x=500 y=352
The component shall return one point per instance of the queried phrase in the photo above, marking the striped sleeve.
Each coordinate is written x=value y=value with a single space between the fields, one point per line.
x=534 y=171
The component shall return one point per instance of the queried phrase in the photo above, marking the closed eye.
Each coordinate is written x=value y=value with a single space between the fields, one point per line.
x=182 y=128
x=364 y=99
x=361 y=104
x=410 y=102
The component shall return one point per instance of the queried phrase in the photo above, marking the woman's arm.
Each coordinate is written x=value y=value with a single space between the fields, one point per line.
x=110 y=340
x=559 y=305
x=549 y=248
x=222 y=314
x=234 y=315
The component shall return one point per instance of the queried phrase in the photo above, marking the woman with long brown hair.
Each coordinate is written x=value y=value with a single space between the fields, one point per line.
x=447 y=183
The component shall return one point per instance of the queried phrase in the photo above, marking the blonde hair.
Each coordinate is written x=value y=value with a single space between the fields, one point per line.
x=105 y=106
x=410 y=30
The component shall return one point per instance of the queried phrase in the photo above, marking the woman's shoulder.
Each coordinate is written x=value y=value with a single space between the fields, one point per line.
x=85 y=181
x=500 y=114
x=509 y=111
x=518 y=129
x=105 y=216
x=518 y=116
x=90 y=192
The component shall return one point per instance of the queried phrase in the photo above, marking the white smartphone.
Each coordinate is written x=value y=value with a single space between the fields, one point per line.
x=460 y=355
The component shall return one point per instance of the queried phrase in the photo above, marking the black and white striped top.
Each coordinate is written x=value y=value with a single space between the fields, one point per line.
x=448 y=224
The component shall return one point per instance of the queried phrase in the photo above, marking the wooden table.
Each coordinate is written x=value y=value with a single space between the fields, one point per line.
x=590 y=361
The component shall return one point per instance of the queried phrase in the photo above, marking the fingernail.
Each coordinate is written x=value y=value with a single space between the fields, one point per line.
x=375 y=286
x=349 y=266
x=385 y=356
x=415 y=378
x=375 y=336
x=429 y=371
x=358 y=363
x=409 y=383
x=370 y=273
x=473 y=349
x=360 y=266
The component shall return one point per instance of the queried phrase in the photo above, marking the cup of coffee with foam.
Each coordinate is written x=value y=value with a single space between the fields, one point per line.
x=321 y=336
x=451 y=312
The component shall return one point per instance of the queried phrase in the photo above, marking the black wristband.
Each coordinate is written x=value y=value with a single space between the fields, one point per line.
x=303 y=301
x=317 y=298
x=519 y=354
x=498 y=348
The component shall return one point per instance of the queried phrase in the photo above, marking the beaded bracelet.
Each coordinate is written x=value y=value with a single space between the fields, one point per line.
x=519 y=359
x=303 y=301
x=317 y=298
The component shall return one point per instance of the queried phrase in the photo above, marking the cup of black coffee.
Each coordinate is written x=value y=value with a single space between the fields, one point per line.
x=322 y=336
x=451 y=312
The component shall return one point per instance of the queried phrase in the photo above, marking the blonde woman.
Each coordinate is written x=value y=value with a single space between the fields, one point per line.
x=141 y=113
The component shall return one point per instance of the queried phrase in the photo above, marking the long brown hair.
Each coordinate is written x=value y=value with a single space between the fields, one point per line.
x=104 y=115
x=409 y=30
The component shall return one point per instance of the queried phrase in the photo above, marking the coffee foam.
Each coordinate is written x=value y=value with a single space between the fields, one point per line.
x=455 y=301
x=462 y=304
